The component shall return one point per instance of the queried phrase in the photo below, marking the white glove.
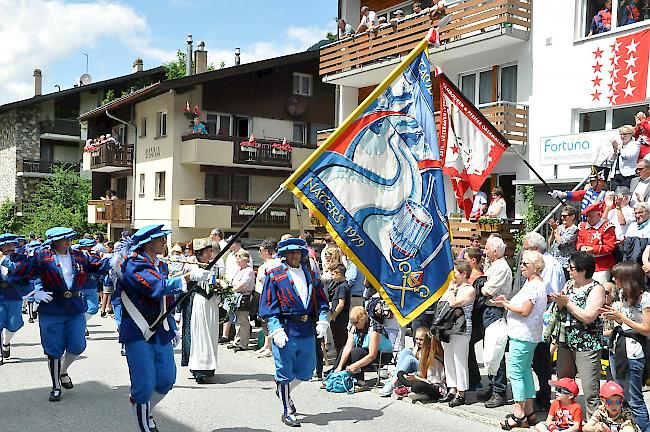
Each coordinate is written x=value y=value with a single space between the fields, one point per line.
x=321 y=329
x=557 y=194
x=177 y=338
x=199 y=275
x=280 y=338
x=43 y=296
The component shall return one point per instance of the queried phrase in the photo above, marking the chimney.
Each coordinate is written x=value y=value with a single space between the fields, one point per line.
x=188 y=65
x=201 y=59
x=38 y=82
x=138 y=65
x=237 y=54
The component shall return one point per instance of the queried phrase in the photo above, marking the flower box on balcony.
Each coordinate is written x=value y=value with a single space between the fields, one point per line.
x=278 y=213
x=279 y=152
x=248 y=149
x=246 y=212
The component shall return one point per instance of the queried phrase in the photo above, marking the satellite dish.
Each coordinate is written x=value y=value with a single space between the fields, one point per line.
x=85 y=79
x=296 y=105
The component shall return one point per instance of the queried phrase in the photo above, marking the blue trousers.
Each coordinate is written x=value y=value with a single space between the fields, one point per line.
x=92 y=301
x=62 y=333
x=633 y=385
x=151 y=368
x=11 y=317
x=296 y=361
x=406 y=362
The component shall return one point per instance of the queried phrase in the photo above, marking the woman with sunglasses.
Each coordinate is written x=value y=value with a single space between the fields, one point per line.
x=563 y=237
x=579 y=334
x=632 y=316
x=525 y=321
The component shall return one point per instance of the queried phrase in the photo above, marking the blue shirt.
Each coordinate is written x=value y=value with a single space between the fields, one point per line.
x=355 y=278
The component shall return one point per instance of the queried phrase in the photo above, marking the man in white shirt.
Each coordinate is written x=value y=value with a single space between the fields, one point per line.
x=639 y=185
x=640 y=228
x=231 y=262
x=618 y=211
x=368 y=20
x=345 y=29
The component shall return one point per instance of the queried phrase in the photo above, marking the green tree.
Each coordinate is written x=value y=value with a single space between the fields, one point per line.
x=61 y=200
x=8 y=220
x=532 y=215
x=176 y=68
x=330 y=37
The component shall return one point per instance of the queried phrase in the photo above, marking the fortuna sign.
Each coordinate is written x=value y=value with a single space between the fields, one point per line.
x=576 y=149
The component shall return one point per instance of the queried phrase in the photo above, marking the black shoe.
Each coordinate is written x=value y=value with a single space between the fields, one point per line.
x=290 y=420
x=110 y=312
x=24 y=311
x=66 y=382
x=6 y=350
x=448 y=398
x=31 y=320
x=103 y=314
x=231 y=346
x=457 y=401
x=55 y=395
x=87 y=333
x=495 y=401
x=223 y=340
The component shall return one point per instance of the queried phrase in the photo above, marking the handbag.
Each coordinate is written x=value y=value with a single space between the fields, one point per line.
x=340 y=382
x=244 y=302
x=447 y=320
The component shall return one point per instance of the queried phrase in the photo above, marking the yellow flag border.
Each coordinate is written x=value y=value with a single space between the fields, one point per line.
x=290 y=184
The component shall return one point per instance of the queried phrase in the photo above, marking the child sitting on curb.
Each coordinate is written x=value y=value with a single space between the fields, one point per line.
x=611 y=415
x=565 y=413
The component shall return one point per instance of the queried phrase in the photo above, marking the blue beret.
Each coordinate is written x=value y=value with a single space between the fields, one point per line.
x=8 y=238
x=145 y=234
x=293 y=243
x=59 y=233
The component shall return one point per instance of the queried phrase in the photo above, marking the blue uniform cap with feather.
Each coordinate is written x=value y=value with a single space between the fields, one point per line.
x=145 y=234
x=291 y=244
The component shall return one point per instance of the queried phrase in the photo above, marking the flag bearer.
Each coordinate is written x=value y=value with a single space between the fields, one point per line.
x=295 y=306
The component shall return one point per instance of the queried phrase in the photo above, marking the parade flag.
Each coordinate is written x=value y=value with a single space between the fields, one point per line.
x=471 y=145
x=620 y=69
x=376 y=185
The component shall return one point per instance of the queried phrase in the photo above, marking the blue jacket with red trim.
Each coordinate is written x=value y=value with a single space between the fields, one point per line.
x=280 y=300
x=147 y=284
x=44 y=264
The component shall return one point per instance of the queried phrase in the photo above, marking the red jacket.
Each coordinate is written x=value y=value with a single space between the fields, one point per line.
x=600 y=237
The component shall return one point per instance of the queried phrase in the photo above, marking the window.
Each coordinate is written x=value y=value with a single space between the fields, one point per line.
x=302 y=84
x=160 y=184
x=141 y=183
x=162 y=124
x=598 y=18
x=219 y=124
x=227 y=187
x=143 y=127
x=505 y=85
x=610 y=118
x=299 y=132
x=121 y=187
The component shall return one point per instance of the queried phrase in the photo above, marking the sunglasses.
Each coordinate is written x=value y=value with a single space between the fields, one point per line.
x=613 y=402
x=563 y=391
x=572 y=267
x=565 y=215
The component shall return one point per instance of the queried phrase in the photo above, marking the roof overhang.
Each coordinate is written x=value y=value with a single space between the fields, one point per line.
x=120 y=102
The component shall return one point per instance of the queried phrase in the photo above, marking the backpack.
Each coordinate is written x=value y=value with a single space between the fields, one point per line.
x=340 y=382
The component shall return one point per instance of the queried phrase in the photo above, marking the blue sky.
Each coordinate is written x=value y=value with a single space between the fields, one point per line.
x=53 y=35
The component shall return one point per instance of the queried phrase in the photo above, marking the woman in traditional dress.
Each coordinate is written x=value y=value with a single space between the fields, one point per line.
x=201 y=316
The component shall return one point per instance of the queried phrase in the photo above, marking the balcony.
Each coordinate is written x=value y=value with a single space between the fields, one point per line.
x=109 y=211
x=510 y=119
x=477 y=25
x=322 y=135
x=61 y=129
x=42 y=168
x=110 y=158
x=204 y=213
x=219 y=150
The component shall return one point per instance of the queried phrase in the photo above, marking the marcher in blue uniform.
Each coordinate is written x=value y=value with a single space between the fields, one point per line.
x=144 y=288
x=32 y=247
x=294 y=303
x=11 y=319
x=89 y=290
x=62 y=272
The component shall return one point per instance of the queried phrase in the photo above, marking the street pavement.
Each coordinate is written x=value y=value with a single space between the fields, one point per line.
x=241 y=399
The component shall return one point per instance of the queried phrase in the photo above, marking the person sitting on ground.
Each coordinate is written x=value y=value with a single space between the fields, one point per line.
x=367 y=342
x=611 y=415
x=338 y=290
x=430 y=380
x=368 y=20
x=565 y=413
x=408 y=360
x=345 y=29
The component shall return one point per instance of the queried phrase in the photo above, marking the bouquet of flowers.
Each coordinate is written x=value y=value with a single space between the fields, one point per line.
x=250 y=144
x=190 y=112
x=284 y=147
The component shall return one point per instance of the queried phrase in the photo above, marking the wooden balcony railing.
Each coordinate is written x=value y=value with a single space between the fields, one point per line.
x=462 y=231
x=322 y=135
x=43 y=167
x=112 y=211
x=61 y=127
x=470 y=18
x=112 y=155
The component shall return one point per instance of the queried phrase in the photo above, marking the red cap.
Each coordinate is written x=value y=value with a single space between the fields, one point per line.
x=599 y=206
x=567 y=383
x=610 y=388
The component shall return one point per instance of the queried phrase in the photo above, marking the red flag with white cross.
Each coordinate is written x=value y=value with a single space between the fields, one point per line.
x=620 y=69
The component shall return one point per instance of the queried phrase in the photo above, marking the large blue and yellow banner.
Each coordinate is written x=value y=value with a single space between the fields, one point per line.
x=376 y=184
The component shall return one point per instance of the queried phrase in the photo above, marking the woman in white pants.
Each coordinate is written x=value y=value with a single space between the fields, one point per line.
x=460 y=294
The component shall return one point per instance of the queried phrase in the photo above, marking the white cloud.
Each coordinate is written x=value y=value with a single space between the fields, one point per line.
x=294 y=39
x=39 y=33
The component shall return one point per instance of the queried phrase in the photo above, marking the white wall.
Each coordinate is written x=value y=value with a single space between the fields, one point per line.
x=265 y=128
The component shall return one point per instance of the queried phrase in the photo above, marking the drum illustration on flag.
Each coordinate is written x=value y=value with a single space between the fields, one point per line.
x=410 y=228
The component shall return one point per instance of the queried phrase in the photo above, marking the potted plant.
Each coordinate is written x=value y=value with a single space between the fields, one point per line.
x=249 y=146
x=281 y=149
x=246 y=210
x=190 y=112
x=488 y=223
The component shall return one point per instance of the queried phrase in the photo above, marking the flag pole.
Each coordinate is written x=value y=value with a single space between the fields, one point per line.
x=536 y=173
x=193 y=285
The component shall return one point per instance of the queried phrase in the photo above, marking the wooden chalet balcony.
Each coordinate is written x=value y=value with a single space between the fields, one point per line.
x=111 y=158
x=472 y=20
x=109 y=211
x=461 y=232
x=322 y=135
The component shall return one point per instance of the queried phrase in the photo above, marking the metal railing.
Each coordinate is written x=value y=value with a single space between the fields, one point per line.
x=43 y=166
x=61 y=127
x=112 y=211
x=470 y=18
